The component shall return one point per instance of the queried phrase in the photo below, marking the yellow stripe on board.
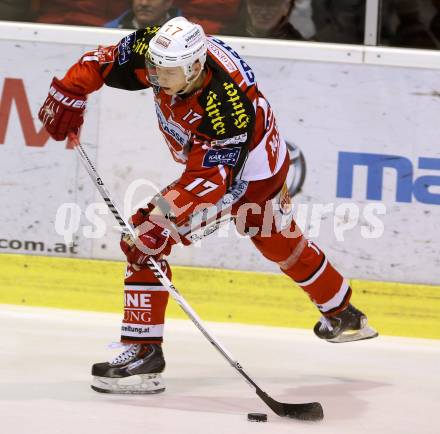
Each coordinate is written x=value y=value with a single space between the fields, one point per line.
x=216 y=295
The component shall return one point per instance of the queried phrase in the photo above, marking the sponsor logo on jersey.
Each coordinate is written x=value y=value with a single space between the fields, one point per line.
x=124 y=48
x=141 y=45
x=235 y=192
x=224 y=156
x=151 y=30
x=137 y=307
x=213 y=106
x=128 y=330
x=222 y=57
x=206 y=144
x=241 y=138
x=243 y=67
x=241 y=118
x=171 y=128
x=204 y=233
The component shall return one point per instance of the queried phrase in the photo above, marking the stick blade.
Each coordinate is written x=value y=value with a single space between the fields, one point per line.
x=311 y=411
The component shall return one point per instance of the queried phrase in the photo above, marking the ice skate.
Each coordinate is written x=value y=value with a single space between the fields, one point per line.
x=346 y=326
x=135 y=371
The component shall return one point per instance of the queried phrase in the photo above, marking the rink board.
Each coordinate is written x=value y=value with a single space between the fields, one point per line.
x=368 y=132
x=216 y=295
x=385 y=385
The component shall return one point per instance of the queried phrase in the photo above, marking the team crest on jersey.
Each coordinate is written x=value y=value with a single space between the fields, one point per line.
x=273 y=146
x=285 y=201
x=105 y=55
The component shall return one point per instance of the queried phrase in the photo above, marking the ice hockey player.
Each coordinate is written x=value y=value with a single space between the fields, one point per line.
x=218 y=124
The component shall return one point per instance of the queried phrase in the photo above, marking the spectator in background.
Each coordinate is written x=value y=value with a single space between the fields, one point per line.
x=264 y=19
x=15 y=10
x=402 y=25
x=214 y=15
x=343 y=21
x=302 y=18
x=144 y=13
x=339 y=21
x=80 y=12
x=435 y=22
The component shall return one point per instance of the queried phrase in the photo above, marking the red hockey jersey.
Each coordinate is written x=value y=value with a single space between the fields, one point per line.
x=222 y=132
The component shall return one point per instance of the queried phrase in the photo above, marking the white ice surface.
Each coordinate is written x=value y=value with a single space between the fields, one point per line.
x=386 y=385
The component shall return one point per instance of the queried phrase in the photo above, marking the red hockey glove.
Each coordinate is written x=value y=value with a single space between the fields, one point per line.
x=62 y=111
x=156 y=236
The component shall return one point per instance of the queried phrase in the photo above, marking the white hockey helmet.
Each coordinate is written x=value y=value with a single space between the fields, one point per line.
x=178 y=42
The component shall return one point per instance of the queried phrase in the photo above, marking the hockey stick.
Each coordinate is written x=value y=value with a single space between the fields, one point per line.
x=310 y=411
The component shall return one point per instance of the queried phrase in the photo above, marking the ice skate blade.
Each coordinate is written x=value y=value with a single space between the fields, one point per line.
x=132 y=385
x=355 y=335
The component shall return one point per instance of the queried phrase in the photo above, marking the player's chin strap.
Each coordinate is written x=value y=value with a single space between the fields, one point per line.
x=190 y=82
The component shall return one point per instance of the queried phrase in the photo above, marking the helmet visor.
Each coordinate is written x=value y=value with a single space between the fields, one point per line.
x=152 y=75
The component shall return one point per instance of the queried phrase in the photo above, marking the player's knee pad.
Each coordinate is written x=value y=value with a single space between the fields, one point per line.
x=276 y=248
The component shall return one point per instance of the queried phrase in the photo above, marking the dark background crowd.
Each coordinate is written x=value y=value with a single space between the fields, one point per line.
x=403 y=23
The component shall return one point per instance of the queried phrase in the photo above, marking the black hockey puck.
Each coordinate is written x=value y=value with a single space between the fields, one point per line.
x=257 y=417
